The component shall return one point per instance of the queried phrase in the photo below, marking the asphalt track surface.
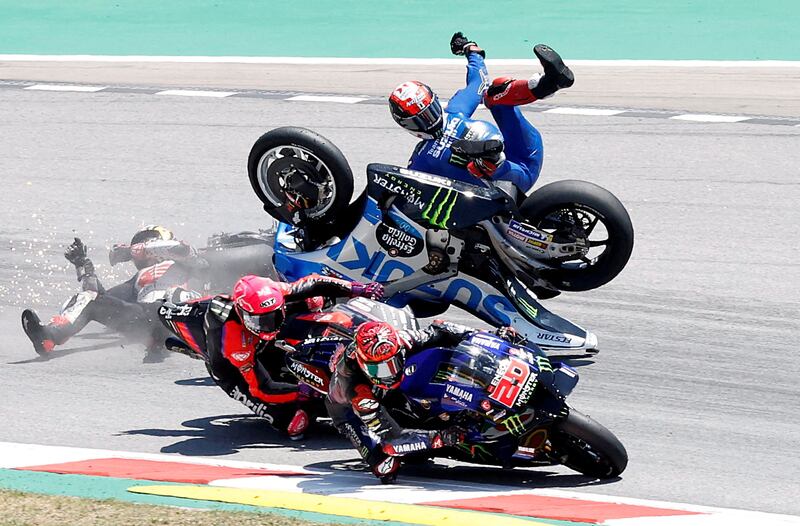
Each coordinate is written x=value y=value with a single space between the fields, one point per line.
x=698 y=369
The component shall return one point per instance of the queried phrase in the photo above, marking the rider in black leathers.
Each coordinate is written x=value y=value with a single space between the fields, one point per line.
x=162 y=263
x=365 y=377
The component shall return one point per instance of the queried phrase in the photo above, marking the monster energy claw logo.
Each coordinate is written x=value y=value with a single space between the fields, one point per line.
x=530 y=309
x=543 y=363
x=439 y=215
x=514 y=425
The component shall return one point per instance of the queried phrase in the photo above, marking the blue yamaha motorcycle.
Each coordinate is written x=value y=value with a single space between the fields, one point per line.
x=436 y=242
x=510 y=399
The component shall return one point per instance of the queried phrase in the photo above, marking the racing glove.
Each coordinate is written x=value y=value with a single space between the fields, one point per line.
x=84 y=268
x=485 y=168
x=510 y=334
x=76 y=253
x=373 y=291
x=461 y=45
x=452 y=436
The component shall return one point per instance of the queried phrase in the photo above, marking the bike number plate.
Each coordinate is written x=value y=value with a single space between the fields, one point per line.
x=508 y=386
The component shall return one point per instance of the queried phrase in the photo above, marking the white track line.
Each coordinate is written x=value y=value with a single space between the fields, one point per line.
x=584 y=111
x=65 y=87
x=398 y=61
x=702 y=117
x=197 y=93
x=323 y=98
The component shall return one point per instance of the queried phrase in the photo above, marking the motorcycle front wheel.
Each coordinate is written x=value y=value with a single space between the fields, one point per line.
x=582 y=444
x=301 y=177
x=571 y=210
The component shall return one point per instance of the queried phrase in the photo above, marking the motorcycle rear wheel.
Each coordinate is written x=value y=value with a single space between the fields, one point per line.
x=301 y=177
x=571 y=209
x=582 y=444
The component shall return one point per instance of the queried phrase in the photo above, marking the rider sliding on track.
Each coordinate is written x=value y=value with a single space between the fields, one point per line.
x=162 y=263
x=511 y=151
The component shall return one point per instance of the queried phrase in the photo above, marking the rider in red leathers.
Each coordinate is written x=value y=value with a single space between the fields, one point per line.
x=247 y=323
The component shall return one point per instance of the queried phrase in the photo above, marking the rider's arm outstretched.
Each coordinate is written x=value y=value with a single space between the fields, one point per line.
x=315 y=286
x=440 y=333
x=466 y=100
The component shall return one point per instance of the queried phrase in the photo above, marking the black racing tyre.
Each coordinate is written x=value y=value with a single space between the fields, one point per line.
x=569 y=209
x=582 y=444
x=301 y=177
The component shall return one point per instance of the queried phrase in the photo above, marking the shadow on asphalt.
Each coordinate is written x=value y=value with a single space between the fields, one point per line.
x=105 y=339
x=229 y=434
x=200 y=381
x=427 y=472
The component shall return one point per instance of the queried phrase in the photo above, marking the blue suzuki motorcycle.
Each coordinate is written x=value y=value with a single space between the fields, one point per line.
x=436 y=242
x=510 y=399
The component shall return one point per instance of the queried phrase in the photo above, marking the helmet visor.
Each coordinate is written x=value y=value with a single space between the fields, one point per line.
x=426 y=121
x=385 y=373
x=262 y=323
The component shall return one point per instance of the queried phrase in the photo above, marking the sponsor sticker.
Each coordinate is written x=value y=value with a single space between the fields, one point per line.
x=411 y=447
x=484 y=341
x=556 y=338
x=528 y=235
x=397 y=242
x=395 y=185
x=458 y=394
x=178 y=310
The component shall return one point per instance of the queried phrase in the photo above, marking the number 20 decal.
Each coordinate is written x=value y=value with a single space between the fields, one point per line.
x=509 y=386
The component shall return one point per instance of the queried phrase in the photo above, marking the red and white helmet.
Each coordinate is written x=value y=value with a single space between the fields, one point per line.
x=380 y=353
x=260 y=305
x=415 y=107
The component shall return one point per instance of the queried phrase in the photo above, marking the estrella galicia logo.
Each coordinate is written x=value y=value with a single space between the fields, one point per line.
x=397 y=242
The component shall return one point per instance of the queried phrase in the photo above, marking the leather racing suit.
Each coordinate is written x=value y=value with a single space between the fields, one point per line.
x=235 y=361
x=357 y=406
x=523 y=143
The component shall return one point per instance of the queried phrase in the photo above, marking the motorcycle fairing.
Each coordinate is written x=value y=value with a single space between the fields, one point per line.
x=186 y=321
x=361 y=257
x=432 y=200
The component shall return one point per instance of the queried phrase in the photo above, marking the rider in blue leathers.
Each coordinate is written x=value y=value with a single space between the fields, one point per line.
x=509 y=151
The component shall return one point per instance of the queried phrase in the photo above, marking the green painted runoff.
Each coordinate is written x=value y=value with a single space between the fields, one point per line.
x=578 y=29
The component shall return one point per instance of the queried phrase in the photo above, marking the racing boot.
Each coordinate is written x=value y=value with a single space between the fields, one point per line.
x=45 y=337
x=384 y=467
x=506 y=91
x=298 y=425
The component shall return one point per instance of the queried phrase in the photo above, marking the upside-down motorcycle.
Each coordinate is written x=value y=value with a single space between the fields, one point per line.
x=436 y=242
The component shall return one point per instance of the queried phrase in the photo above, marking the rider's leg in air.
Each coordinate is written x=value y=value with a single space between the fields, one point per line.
x=505 y=91
x=522 y=141
x=86 y=306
